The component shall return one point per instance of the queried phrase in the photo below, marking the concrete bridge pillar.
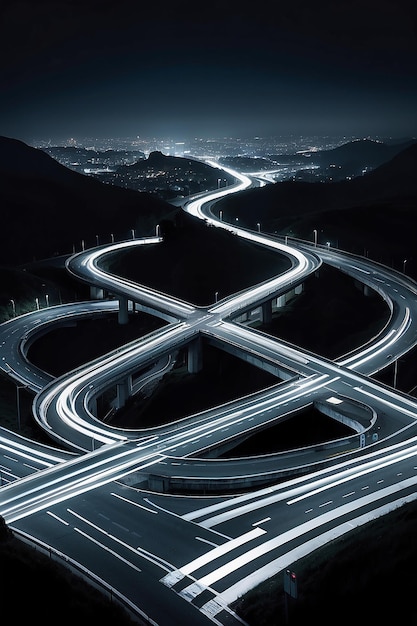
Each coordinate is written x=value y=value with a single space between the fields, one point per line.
x=123 y=316
x=267 y=312
x=96 y=293
x=124 y=389
x=92 y=406
x=195 y=356
x=281 y=300
x=299 y=289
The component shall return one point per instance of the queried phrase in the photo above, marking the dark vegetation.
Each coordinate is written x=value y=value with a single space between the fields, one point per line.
x=347 y=577
x=365 y=577
x=50 y=210
x=51 y=591
x=195 y=261
x=372 y=215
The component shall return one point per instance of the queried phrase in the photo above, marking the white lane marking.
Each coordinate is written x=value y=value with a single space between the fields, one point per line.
x=210 y=556
x=298 y=531
x=103 y=547
x=211 y=543
x=140 y=506
x=261 y=521
x=59 y=519
x=247 y=583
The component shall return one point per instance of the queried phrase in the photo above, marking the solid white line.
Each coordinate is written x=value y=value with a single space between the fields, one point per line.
x=298 y=531
x=116 y=495
x=266 y=519
x=221 y=550
x=277 y=565
x=102 y=546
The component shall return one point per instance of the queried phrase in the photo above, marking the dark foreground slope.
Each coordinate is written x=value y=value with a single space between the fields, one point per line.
x=46 y=209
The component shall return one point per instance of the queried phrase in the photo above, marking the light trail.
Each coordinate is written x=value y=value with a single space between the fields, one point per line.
x=120 y=456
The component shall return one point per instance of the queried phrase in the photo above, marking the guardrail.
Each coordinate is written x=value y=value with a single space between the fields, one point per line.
x=107 y=590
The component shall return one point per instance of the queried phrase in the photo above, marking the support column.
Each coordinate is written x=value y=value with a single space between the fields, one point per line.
x=281 y=300
x=92 y=406
x=124 y=389
x=96 y=293
x=123 y=316
x=267 y=312
x=299 y=289
x=195 y=356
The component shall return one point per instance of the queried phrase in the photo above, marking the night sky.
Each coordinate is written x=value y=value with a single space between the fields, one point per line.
x=207 y=69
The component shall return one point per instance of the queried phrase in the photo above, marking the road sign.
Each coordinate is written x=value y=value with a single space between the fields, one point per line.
x=290 y=583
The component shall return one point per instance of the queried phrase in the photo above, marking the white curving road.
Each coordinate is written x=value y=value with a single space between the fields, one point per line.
x=84 y=507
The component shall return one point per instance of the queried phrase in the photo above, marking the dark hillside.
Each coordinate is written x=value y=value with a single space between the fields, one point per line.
x=358 y=154
x=158 y=160
x=47 y=208
x=195 y=261
x=396 y=178
x=384 y=200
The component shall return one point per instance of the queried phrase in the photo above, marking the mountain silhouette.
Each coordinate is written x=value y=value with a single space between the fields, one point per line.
x=358 y=153
x=47 y=209
x=394 y=179
x=353 y=156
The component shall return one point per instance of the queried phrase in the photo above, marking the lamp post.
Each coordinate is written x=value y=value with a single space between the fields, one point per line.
x=404 y=264
x=37 y=303
x=315 y=236
x=13 y=303
x=133 y=233
x=259 y=227
x=18 y=387
x=395 y=373
x=47 y=299
x=216 y=295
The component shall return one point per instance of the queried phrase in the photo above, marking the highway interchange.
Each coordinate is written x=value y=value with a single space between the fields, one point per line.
x=92 y=498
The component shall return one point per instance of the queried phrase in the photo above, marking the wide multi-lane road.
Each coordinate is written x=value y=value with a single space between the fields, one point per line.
x=99 y=503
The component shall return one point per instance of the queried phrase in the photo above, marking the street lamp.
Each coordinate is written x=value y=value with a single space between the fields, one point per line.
x=259 y=227
x=37 y=303
x=395 y=373
x=221 y=215
x=47 y=299
x=18 y=387
x=216 y=295
x=315 y=236
x=133 y=233
x=13 y=307
x=404 y=264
